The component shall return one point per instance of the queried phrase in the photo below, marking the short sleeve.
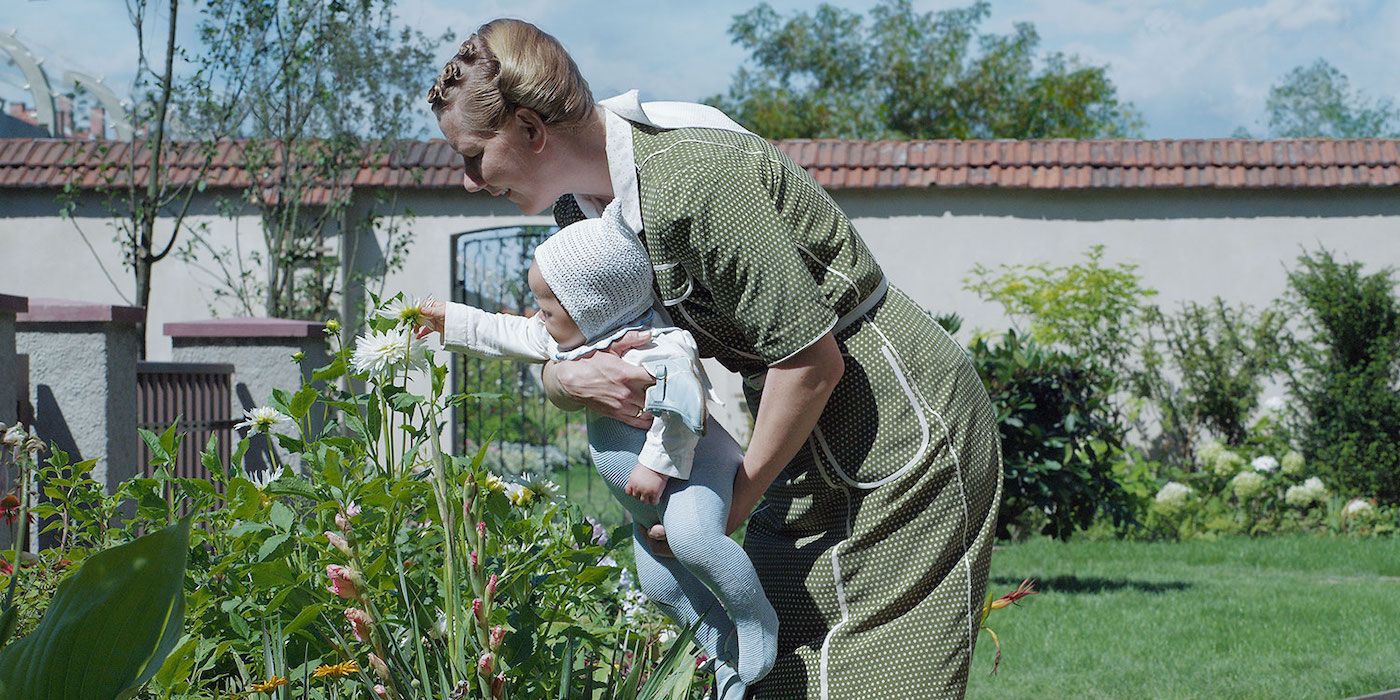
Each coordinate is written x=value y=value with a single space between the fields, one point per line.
x=730 y=238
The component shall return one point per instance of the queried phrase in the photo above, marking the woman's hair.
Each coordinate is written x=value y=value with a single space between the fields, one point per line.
x=507 y=64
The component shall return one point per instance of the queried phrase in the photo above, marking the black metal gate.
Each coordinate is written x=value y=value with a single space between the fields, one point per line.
x=526 y=433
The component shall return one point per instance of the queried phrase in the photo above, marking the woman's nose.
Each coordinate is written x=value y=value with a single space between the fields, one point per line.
x=472 y=185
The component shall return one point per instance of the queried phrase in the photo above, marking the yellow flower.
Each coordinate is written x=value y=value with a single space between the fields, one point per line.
x=340 y=670
x=270 y=685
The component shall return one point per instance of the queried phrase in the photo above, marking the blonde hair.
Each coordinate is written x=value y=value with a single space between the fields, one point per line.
x=507 y=64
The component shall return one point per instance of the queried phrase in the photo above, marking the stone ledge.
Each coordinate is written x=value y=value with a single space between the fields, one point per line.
x=13 y=304
x=69 y=311
x=245 y=328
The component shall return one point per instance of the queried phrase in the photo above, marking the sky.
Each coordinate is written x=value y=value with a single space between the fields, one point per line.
x=1193 y=68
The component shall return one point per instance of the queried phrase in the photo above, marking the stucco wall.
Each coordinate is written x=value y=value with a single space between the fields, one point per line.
x=260 y=365
x=1190 y=244
x=82 y=387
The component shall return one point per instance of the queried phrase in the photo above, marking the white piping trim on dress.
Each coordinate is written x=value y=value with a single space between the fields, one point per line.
x=711 y=335
x=822 y=672
x=962 y=490
x=914 y=403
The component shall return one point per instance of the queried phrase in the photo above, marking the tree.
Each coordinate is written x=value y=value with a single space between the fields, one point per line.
x=138 y=203
x=902 y=74
x=324 y=88
x=1318 y=101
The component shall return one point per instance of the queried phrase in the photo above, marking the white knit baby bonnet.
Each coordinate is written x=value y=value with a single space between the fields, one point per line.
x=599 y=271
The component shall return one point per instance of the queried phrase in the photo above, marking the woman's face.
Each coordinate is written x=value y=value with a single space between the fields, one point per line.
x=505 y=162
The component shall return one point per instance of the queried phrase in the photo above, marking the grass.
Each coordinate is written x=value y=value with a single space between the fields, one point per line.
x=1284 y=617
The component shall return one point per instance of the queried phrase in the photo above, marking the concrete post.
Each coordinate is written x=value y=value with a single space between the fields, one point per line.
x=260 y=349
x=9 y=363
x=82 y=380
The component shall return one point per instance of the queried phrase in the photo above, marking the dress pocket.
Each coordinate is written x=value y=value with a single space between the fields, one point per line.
x=875 y=427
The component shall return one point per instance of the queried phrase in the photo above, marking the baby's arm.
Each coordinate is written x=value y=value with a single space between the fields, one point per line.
x=470 y=330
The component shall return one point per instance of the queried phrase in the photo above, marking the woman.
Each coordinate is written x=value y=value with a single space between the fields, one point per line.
x=874 y=445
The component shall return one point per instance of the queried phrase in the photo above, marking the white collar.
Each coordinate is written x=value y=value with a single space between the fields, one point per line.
x=618 y=114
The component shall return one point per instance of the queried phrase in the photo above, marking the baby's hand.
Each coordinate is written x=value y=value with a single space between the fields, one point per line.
x=645 y=485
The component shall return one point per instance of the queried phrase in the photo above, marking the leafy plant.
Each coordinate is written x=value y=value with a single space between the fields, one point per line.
x=1060 y=446
x=109 y=627
x=1344 y=371
x=1204 y=368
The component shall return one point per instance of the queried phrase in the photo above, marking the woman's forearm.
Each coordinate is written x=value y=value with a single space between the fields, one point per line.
x=554 y=391
x=794 y=395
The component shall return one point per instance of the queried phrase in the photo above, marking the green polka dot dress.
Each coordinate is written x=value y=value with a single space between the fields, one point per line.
x=874 y=543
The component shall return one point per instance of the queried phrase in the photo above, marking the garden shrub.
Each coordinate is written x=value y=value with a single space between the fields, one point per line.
x=1345 y=361
x=1060 y=442
x=1204 y=368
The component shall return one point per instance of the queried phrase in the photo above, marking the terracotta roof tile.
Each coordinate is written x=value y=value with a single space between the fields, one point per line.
x=836 y=164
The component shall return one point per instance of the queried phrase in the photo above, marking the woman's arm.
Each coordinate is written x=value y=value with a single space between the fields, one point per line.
x=603 y=383
x=795 y=393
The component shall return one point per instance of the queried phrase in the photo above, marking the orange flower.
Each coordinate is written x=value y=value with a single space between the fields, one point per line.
x=1026 y=588
x=340 y=670
x=269 y=685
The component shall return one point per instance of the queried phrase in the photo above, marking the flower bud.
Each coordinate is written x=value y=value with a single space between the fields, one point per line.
x=498 y=685
x=298 y=356
x=486 y=663
x=359 y=623
x=481 y=528
x=339 y=542
x=479 y=611
x=332 y=326
x=381 y=669
x=475 y=563
x=491 y=584
x=380 y=690
x=498 y=635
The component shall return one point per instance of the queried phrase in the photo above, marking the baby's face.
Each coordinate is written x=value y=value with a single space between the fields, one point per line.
x=557 y=321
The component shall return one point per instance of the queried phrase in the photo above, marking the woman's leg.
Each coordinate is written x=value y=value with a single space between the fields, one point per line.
x=694 y=512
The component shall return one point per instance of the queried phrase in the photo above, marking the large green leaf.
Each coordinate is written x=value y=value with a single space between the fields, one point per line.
x=108 y=628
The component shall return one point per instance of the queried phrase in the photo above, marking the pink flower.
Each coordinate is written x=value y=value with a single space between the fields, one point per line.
x=498 y=635
x=485 y=663
x=359 y=623
x=342 y=518
x=481 y=528
x=491 y=584
x=380 y=690
x=475 y=562
x=343 y=582
x=498 y=685
x=339 y=542
x=479 y=610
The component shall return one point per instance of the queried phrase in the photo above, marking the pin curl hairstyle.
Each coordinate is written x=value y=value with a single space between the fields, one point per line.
x=507 y=64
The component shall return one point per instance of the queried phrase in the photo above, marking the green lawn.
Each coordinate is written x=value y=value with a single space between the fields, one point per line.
x=1286 y=617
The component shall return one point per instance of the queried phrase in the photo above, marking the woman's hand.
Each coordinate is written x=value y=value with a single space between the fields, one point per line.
x=604 y=383
x=432 y=320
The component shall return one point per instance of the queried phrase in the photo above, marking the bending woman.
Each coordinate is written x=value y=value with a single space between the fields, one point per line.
x=874 y=446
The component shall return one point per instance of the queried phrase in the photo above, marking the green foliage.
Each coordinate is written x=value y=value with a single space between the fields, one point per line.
x=312 y=90
x=1318 y=101
x=1345 y=363
x=1204 y=368
x=902 y=74
x=1092 y=309
x=426 y=537
x=109 y=627
x=1060 y=445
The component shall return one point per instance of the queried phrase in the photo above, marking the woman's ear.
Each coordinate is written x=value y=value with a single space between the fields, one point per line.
x=536 y=135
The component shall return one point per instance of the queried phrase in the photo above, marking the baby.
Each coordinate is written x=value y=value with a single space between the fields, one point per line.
x=593 y=284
